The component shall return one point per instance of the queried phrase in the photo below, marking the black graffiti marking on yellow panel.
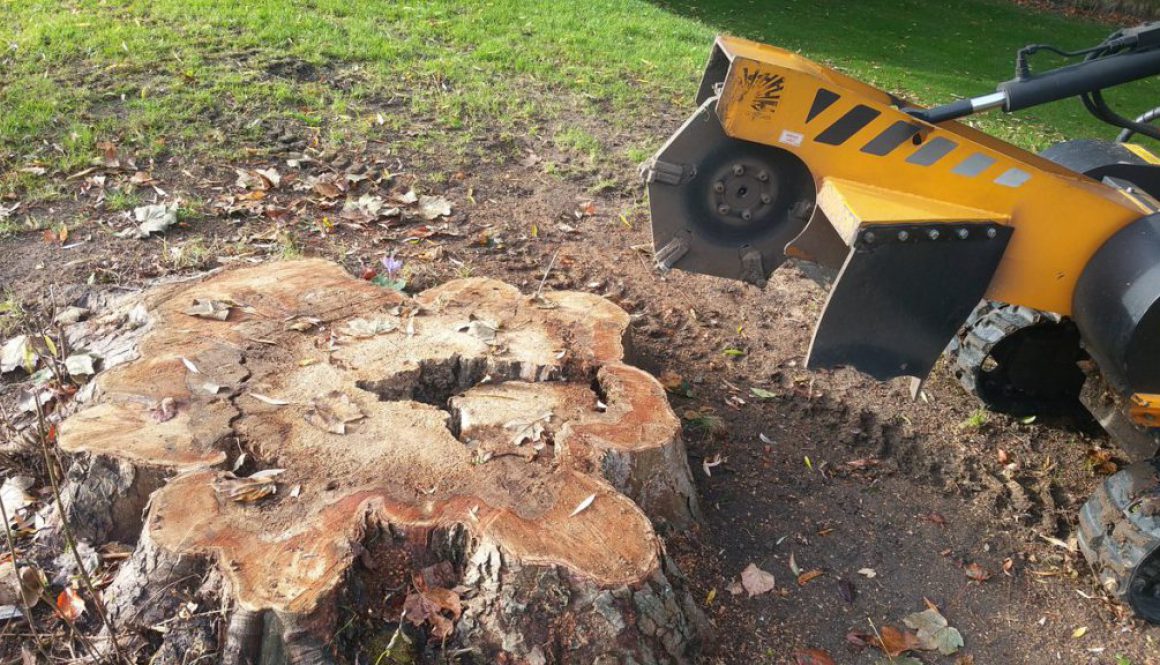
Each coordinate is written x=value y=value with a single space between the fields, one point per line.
x=769 y=87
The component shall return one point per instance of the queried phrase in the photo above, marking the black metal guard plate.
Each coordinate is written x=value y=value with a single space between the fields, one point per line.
x=902 y=293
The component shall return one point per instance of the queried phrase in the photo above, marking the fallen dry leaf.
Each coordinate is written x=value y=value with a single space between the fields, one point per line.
x=484 y=330
x=151 y=219
x=808 y=576
x=431 y=605
x=250 y=489
x=69 y=604
x=894 y=642
x=31 y=585
x=812 y=657
x=583 y=505
x=433 y=207
x=80 y=364
x=933 y=632
x=268 y=400
x=164 y=410
x=14 y=496
x=847 y=590
x=332 y=411
x=327 y=189
x=976 y=572
x=16 y=352
x=707 y=464
x=934 y=518
x=218 y=310
x=756 y=581
x=369 y=327
x=868 y=573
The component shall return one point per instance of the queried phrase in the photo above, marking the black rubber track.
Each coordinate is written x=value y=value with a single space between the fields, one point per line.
x=1018 y=360
x=1119 y=533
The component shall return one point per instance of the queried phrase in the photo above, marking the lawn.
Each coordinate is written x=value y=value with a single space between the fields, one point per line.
x=209 y=75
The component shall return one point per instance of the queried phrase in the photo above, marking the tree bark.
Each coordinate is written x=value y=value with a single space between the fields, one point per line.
x=499 y=439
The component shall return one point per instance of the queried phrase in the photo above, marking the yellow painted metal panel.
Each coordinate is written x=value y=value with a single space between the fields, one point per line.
x=1060 y=218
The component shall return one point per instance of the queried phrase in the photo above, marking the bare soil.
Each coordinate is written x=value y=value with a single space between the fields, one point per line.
x=836 y=473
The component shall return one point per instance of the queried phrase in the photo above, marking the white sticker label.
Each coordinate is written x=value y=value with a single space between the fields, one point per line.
x=790 y=138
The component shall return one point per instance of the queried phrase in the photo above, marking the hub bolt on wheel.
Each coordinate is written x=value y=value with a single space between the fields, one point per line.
x=738 y=169
x=746 y=215
x=763 y=176
x=718 y=187
x=723 y=209
x=903 y=235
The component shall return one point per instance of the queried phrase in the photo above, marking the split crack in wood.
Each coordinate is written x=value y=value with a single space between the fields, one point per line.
x=380 y=426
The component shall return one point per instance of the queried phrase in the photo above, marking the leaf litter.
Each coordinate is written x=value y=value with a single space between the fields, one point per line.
x=155 y=218
x=756 y=581
x=249 y=489
x=933 y=632
x=331 y=412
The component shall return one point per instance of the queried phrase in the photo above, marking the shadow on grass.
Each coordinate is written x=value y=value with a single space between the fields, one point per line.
x=929 y=51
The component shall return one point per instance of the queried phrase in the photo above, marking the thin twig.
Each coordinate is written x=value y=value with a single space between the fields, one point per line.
x=547 y=272
x=879 y=636
x=19 y=582
x=66 y=529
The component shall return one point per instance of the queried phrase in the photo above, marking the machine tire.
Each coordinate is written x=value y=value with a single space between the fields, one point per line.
x=1119 y=534
x=1036 y=373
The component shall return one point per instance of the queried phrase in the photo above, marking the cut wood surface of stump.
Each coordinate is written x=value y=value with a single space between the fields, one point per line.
x=294 y=424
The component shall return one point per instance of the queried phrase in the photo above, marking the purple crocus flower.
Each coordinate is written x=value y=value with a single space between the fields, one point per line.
x=392 y=265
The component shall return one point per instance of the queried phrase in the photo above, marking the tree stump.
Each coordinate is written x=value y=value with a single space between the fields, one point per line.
x=495 y=443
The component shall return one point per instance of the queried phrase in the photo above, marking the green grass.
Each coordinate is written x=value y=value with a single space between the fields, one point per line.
x=928 y=54
x=158 y=77
x=119 y=200
x=976 y=420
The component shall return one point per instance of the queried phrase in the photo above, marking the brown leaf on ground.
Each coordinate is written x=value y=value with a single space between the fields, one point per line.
x=976 y=572
x=432 y=605
x=934 y=518
x=69 y=604
x=859 y=641
x=812 y=657
x=756 y=581
x=328 y=190
x=1101 y=462
x=894 y=642
x=671 y=380
x=808 y=576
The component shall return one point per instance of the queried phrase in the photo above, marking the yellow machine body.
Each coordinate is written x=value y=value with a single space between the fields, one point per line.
x=1061 y=218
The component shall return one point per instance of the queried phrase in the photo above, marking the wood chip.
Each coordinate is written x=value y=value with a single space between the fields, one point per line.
x=583 y=505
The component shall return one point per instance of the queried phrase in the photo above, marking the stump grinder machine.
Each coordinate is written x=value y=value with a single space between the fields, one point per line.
x=1038 y=276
